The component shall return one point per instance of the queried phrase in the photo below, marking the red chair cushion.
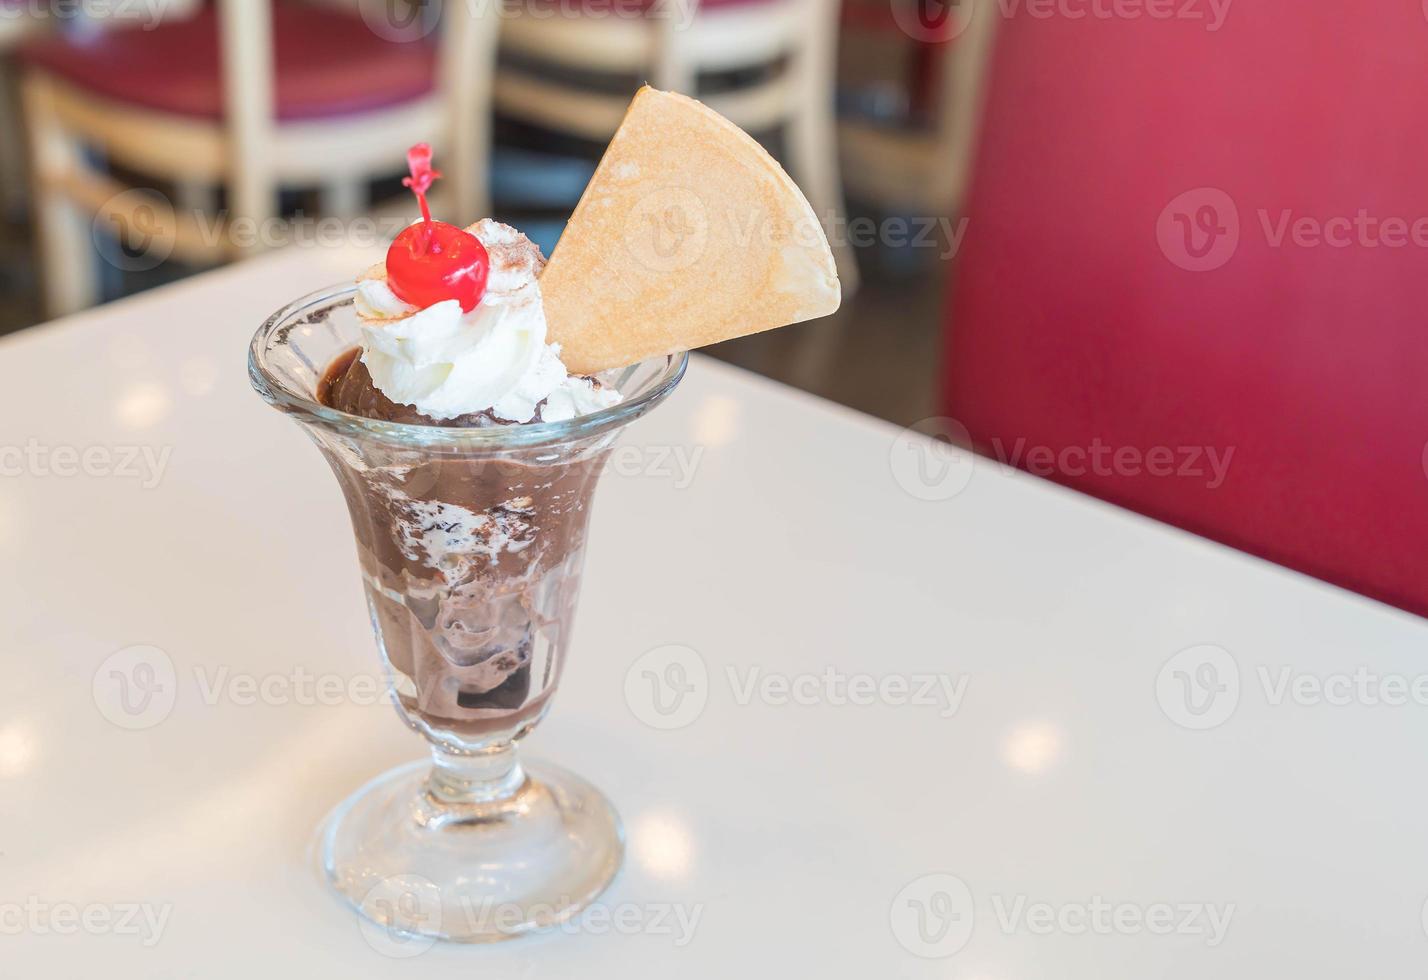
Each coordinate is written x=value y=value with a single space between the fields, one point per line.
x=1077 y=320
x=328 y=63
x=617 y=8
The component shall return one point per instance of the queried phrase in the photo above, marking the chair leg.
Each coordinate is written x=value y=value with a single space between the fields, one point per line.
x=14 y=180
x=468 y=74
x=68 y=266
x=672 y=68
x=813 y=136
x=195 y=197
x=344 y=198
x=813 y=158
x=247 y=32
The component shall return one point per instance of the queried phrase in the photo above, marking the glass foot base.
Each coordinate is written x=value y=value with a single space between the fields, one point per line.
x=419 y=868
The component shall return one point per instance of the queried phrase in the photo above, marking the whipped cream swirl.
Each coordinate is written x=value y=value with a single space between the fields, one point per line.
x=495 y=359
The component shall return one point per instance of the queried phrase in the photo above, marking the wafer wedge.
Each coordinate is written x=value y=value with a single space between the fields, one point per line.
x=689 y=233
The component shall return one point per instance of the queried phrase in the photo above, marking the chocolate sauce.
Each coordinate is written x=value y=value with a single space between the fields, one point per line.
x=471 y=561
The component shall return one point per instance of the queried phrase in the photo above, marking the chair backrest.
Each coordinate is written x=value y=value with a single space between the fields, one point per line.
x=466 y=58
x=1193 y=277
x=961 y=89
x=246 y=35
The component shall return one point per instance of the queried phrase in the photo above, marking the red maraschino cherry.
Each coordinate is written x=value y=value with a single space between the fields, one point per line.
x=432 y=261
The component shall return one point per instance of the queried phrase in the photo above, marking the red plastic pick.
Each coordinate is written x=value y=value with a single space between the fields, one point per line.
x=434 y=261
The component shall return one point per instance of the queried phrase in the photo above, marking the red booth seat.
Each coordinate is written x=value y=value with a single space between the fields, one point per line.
x=1212 y=240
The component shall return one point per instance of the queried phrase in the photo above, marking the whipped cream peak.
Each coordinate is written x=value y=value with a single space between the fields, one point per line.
x=494 y=359
x=376 y=301
x=515 y=260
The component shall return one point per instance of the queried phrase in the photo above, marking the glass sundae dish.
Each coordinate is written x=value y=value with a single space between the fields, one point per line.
x=467 y=397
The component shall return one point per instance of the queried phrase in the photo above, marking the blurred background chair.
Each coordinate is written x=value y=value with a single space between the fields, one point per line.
x=144 y=144
x=775 y=62
x=18 y=23
x=247 y=97
x=1124 y=279
x=922 y=167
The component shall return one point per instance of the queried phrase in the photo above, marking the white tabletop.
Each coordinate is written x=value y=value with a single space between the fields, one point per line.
x=1053 y=807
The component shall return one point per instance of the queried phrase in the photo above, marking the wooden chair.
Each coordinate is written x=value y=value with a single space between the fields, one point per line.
x=926 y=170
x=17 y=24
x=674 y=43
x=251 y=97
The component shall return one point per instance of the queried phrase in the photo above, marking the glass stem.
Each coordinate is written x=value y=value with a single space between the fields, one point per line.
x=488 y=775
